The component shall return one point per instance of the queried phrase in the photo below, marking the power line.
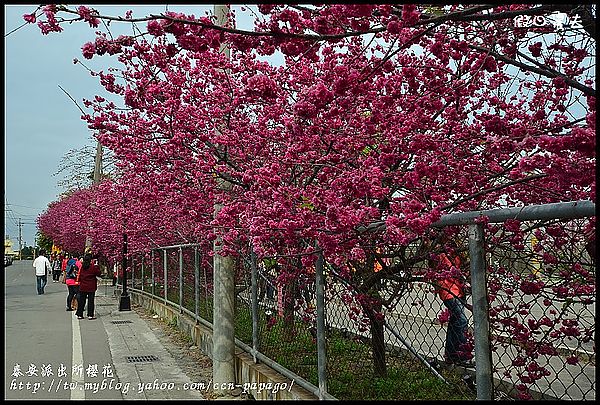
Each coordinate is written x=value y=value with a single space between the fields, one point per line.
x=17 y=212
x=20 y=213
x=12 y=217
x=28 y=218
x=11 y=212
x=26 y=206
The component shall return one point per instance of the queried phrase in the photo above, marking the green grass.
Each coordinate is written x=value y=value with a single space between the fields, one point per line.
x=349 y=375
x=399 y=384
x=349 y=362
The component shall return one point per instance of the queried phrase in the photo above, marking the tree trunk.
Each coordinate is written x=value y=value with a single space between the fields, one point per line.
x=290 y=293
x=377 y=342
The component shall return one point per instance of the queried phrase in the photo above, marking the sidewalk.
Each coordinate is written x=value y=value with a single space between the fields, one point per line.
x=139 y=357
x=120 y=355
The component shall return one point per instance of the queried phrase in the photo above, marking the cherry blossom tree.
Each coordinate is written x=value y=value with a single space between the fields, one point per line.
x=380 y=119
x=64 y=220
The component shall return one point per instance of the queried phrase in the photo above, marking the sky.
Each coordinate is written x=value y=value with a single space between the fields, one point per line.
x=41 y=122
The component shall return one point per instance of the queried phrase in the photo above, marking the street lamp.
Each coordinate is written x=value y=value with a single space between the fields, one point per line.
x=125 y=302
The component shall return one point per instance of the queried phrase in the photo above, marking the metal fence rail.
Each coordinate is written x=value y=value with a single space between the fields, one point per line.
x=314 y=329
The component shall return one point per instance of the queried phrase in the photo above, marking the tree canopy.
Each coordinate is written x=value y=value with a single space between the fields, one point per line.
x=376 y=114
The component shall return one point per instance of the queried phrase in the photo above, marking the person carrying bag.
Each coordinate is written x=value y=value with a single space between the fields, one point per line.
x=72 y=281
x=88 y=284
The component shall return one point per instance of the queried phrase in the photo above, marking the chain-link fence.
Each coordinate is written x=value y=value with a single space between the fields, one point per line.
x=537 y=327
x=180 y=275
x=542 y=289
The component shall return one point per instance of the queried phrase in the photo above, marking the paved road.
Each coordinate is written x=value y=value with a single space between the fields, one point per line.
x=49 y=354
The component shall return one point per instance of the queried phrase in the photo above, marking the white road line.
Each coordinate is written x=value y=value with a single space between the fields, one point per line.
x=77 y=380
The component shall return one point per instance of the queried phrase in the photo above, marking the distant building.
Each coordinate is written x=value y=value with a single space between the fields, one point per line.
x=8 y=250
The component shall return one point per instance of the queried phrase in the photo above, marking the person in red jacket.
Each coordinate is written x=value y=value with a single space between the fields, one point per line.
x=88 y=284
x=452 y=293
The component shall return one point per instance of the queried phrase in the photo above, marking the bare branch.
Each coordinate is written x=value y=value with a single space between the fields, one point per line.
x=588 y=91
x=80 y=109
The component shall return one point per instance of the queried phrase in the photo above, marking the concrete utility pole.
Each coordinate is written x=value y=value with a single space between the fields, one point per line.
x=96 y=180
x=224 y=288
x=20 y=239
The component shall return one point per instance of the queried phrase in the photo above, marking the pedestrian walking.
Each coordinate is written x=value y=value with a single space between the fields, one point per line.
x=71 y=273
x=59 y=258
x=115 y=273
x=55 y=264
x=42 y=267
x=88 y=284
x=63 y=266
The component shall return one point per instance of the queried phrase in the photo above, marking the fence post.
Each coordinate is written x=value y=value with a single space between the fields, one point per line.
x=165 y=275
x=254 y=289
x=206 y=293
x=321 y=349
x=196 y=284
x=133 y=272
x=180 y=280
x=152 y=270
x=483 y=370
x=142 y=276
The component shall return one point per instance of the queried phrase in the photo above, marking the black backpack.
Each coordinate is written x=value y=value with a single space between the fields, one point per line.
x=71 y=269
